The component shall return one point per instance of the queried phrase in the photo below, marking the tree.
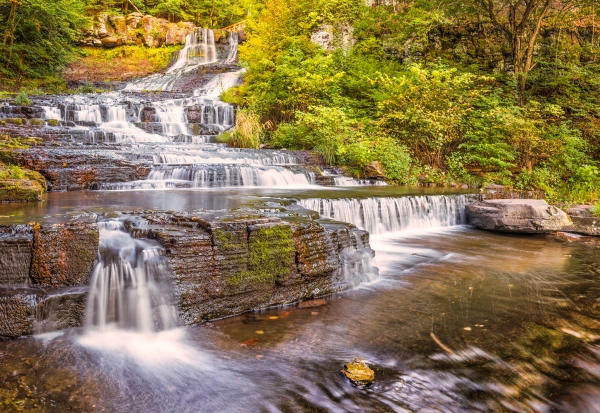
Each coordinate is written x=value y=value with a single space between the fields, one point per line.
x=521 y=22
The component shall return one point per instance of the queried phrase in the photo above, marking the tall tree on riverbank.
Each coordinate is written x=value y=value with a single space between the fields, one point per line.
x=521 y=22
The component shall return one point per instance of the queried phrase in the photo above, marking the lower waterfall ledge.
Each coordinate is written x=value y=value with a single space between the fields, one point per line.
x=219 y=265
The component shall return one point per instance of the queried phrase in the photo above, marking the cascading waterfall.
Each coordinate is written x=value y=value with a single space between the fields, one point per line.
x=173 y=119
x=380 y=215
x=52 y=113
x=125 y=291
x=199 y=50
x=346 y=181
x=230 y=157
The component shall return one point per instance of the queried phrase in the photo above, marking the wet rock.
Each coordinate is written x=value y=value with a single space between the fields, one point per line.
x=17 y=309
x=20 y=190
x=15 y=255
x=222 y=268
x=64 y=254
x=358 y=372
x=517 y=215
x=374 y=170
x=584 y=222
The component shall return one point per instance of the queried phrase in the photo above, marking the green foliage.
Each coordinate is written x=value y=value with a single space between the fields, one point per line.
x=22 y=99
x=37 y=36
x=596 y=209
x=246 y=133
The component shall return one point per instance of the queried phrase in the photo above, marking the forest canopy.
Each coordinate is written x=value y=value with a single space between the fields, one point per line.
x=436 y=91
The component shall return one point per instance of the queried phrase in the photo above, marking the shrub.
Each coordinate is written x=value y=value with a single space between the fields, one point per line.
x=247 y=131
x=22 y=99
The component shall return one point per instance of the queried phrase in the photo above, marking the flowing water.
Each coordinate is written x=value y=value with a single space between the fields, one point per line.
x=451 y=319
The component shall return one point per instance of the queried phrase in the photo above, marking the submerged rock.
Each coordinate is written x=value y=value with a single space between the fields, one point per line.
x=517 y=215
x=359 y=373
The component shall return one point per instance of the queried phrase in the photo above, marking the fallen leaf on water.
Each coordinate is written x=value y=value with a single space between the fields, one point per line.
x=284 y=314
x=259 y=356
x=273 y=317
x=314 y=313
x=467 y=328
x=259 y=332
x=250 y=342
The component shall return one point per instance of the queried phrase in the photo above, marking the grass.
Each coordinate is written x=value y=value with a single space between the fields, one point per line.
x=246 y=133
x=118 y=64
x=595 y=209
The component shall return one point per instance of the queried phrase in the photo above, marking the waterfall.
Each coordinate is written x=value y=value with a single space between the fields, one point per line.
x=199 y=50
x=52 y=113
x=234 y=40
x=379 y=215
x=219 y=175
x=173 y=119
x=230 y=157
x=346 y=181
x=125 y=291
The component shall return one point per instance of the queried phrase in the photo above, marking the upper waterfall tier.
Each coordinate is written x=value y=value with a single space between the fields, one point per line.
x=199 y=50
x=380 y=215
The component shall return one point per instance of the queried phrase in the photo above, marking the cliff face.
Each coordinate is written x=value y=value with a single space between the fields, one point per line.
x=134 y=29
x=218 y=267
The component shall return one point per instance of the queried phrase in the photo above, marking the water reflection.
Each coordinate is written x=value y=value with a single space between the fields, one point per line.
x=461 y=321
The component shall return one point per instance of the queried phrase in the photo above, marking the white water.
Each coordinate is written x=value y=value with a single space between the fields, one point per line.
x=381 y=215
x=199 y=50
x=52 y=113
x=346 y=181
x=125 y=292
x=230 y=157
x=220 y=175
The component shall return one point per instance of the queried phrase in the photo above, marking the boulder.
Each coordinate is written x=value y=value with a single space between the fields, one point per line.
x=584 y=222
x=528 y=216
x=375 y=170
x=111 y=41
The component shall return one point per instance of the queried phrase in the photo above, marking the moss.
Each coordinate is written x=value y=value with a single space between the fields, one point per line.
x=37 y=122
x=17 y=184
x=271 y=256
x=14 y=121
x=52 y=122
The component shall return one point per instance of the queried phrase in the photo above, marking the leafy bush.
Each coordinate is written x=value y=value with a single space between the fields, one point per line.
x=246 y=133
x=22 y=99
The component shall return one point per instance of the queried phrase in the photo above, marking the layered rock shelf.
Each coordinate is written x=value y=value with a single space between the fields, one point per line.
x=218 y=266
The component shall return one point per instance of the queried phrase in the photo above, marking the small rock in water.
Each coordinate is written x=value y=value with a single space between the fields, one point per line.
x=250 y=342
x=312 y=303
x=358 y=372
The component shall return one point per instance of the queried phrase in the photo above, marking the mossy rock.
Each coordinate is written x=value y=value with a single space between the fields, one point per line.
x=37 y=122
x=19 y=185
x=15 y=121
x=20 y=190
x=52 y=122
x=358 y=372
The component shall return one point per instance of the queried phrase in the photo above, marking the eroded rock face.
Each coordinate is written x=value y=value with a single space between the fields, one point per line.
x=584 y=222
x=135 y=28
x=517 y=215
x=64 y=254
x=221 y=269
x=16 y=245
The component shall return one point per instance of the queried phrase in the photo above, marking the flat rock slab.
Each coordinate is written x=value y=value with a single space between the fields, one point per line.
x=528 y=216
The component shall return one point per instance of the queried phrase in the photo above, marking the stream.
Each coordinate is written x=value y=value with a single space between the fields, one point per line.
x=450 y=318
